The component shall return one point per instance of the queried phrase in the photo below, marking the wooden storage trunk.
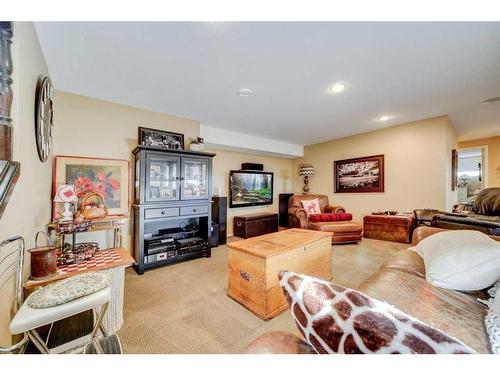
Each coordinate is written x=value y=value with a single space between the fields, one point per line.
x=254 y=265
x=247 y=226
x=397 y=228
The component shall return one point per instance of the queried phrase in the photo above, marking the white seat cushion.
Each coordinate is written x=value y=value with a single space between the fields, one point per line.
x=28 y=318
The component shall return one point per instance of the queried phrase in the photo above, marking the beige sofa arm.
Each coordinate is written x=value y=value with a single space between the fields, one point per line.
x=334 y=209
x=297 y=217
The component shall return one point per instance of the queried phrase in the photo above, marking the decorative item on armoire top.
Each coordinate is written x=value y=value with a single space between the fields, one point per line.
x=160 y=138
x=93 y=206
x=44 y=113
x=306 y=171
x=66 y=194
x=196 y=144
x=109 y=177
x=359 y=175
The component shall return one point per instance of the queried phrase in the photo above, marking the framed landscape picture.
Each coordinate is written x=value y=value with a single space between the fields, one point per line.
x=359 y=175
x=110 y=177
x=160 y=138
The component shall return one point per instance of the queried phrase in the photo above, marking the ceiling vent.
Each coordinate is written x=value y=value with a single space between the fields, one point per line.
x=492 y=100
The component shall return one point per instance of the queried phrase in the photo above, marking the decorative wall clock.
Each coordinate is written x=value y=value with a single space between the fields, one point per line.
x=43 y=117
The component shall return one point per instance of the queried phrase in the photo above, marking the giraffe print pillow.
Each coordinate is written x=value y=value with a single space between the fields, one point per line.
x=334 y=319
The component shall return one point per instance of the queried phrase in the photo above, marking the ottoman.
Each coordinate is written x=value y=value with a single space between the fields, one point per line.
x=342 y=231
x=397 y=228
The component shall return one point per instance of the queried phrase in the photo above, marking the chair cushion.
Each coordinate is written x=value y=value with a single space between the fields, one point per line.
x=311 y=206
x=69 y=289
x=330 y=217
x=334 y=319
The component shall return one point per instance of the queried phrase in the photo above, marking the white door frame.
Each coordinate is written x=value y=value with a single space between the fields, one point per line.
x=484 y=169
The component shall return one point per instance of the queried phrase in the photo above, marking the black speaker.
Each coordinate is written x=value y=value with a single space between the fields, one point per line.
x=219 y=217
x=252 y=167
x=214 y=238
x=283 y=209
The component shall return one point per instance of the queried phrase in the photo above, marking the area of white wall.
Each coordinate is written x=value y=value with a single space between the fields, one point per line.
x=239 y=142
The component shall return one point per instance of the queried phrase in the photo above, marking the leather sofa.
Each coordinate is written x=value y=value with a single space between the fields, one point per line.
x=401 y=282
x=483 y=215
x=342 y=231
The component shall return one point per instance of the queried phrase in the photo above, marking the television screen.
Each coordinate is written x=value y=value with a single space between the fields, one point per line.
x=250 y=188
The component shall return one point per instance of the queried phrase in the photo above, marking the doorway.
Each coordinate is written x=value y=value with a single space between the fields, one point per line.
x=472 y=172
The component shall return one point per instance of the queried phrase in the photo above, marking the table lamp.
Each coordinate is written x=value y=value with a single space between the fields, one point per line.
x=306 y=171
x=66 y=194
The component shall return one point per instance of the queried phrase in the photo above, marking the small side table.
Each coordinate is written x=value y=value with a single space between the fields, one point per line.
x=397 y=228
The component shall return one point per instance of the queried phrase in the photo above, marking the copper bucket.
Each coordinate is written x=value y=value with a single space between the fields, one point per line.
x=43 y=260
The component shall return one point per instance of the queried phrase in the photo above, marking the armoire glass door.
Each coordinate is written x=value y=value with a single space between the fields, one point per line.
x=162 y=178
x=195 y=183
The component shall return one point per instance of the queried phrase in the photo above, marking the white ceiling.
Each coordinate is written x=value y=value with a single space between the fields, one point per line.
x=410 y=71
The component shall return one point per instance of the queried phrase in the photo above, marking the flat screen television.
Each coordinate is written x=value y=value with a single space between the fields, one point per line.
x=250 y=188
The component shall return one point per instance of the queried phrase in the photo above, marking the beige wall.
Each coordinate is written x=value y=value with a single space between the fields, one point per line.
x=227 y=160
x=493 y=144
x=416 y=167
x=29 y=207
x=90 y=127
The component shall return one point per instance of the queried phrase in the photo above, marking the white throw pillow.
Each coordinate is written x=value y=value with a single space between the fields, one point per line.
x=463 y=260
x=312 y=206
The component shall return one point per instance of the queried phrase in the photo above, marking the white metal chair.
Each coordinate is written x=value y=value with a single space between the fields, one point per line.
x=27 y=319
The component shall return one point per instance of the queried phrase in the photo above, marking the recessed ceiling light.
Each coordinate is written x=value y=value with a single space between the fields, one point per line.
x=337 y=87
x=244 y=92
x=384 y=118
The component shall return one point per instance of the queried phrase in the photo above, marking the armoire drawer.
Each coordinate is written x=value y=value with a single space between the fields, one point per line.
x=154 y=213
x=194 y=210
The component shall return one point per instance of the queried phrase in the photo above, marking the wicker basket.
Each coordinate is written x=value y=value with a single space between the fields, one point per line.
x=83 y=251
x=94 y=210
x=67 y=228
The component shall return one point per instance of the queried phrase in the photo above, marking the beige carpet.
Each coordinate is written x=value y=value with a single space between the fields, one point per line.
x=183 y=308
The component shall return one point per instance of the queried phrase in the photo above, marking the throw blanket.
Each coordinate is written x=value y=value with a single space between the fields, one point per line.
x=488 y=202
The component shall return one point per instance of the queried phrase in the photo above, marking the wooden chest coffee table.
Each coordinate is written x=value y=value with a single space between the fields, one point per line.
x=254 y=265
x=397 y=228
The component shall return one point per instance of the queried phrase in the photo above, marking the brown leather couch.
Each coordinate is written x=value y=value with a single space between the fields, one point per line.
x=342 y=231
x=401 y=282
x=483 y=215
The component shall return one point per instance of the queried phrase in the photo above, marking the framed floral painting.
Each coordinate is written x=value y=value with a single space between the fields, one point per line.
x=110 y=177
